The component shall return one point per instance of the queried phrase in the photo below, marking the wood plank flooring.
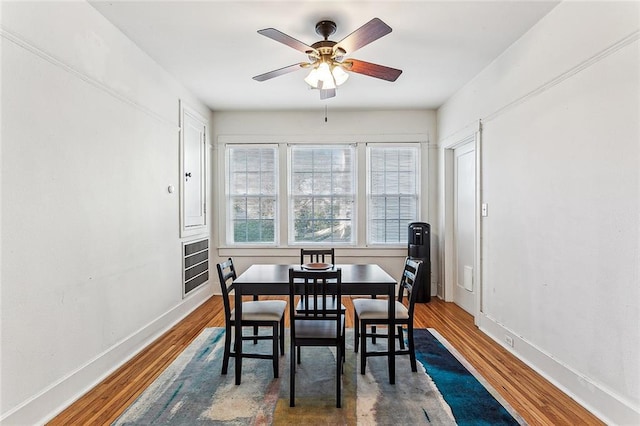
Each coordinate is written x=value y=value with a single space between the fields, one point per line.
x=538 y=401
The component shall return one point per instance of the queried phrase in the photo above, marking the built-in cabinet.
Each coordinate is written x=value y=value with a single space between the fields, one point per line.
x=193 y=177
x=194 y=226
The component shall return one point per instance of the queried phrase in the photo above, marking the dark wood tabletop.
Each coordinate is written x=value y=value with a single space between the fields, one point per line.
x=368 y=279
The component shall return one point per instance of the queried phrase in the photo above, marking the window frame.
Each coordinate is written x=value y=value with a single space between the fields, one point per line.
x=353 y=147
x=417 y=146
x=360 y=238
x=229 y=217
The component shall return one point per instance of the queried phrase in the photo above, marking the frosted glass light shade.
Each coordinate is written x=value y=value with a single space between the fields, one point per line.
x=339 y=75
x=325 y=76
x=312 y=78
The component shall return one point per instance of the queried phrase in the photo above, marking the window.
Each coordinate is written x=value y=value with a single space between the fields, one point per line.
x=393 y=191
x=252 y=194
x=322 y=182
x=322 y=194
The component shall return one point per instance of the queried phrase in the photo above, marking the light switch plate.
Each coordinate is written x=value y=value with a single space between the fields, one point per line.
x=485 y=210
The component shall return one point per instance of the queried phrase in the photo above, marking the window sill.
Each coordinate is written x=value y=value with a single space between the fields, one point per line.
x=341 y=252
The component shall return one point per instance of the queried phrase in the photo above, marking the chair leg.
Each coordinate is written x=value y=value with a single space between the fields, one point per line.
x=299 y=357
x=356 y=331
x=227 y=349
x=255 y=333
x=338 y=376
x=292 y=375
x=363 y=342
x=344 y=342
x=282 y=336
x=401 y=337
x=412 y=348
x=373 y=328
x=276 y=355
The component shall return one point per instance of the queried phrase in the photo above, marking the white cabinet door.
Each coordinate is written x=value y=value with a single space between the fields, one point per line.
x=193 y=133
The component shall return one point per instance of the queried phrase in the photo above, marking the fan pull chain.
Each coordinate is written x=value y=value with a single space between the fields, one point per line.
x=325 y=113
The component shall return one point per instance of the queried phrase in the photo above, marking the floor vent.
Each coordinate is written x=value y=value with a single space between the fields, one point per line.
x=195 y=264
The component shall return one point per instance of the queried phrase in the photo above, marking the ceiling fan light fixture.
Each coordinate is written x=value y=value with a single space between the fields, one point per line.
x=322 y=77
x=339 y=75
x=312 y=78
x=325 y=76
x=327 y=66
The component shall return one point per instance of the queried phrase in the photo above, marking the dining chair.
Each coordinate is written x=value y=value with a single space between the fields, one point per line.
x=308 y=256
x=372 y=312
x=319 y=325
x=317 y=256
x=255 y=314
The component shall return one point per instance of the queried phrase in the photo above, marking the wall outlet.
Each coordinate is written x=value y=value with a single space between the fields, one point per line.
x=509 y=340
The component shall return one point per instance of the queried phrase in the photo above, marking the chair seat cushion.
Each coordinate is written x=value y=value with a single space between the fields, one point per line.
x=368 y=309
x=317 y=329
x=261 y=310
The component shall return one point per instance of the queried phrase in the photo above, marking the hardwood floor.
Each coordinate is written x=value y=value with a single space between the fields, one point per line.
x=539 y=402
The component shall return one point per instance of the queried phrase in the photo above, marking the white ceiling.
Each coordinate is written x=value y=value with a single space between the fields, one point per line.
x=213 y=48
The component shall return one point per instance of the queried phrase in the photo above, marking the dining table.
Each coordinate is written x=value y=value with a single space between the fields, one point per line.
x=273 y=279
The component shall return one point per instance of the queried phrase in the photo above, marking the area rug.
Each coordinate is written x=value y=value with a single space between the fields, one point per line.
x=444 y=391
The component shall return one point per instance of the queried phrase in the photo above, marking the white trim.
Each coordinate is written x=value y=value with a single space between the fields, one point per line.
x=478 y=263
x=284 y=142
x=197 y=230
x=19 y=41
x=353 y=148
x=593 y=396
x=417 y=146
x=604 y=53
x=59 y=395
x=226 y=194
x=294 y=252
x=322 y=139
x=471 y=134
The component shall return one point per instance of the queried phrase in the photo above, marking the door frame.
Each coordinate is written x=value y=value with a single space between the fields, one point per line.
x=448 y=219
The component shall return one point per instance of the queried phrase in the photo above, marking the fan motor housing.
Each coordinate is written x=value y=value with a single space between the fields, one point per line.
x=326 y=28
x=325 y=47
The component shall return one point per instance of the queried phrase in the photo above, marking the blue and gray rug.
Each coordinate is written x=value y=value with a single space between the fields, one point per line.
x=444 y=391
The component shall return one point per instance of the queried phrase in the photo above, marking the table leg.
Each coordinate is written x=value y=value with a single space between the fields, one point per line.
x=392 y=336
x=238 y=334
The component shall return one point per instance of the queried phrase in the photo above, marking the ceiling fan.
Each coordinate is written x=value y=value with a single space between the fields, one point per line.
x=329 y=67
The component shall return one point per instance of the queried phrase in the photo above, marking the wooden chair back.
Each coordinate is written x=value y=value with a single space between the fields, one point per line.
x=315 y=286
x=226 y=275
x=317 y=256
x=410 y=278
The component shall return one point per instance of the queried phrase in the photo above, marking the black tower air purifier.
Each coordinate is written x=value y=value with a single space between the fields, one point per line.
x=420 y=249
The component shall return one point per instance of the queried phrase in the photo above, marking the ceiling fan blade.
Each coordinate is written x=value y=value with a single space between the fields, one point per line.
x=372 y=70
x=371 y=31
x=279 y=72
x=327 y=93
x=276 y=35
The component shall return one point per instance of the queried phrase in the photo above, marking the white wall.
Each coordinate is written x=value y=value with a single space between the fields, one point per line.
x=310 y=127
x=91 y=265
x=561 y=174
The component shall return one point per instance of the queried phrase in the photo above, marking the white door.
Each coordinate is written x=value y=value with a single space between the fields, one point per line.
x=193 y=173
x=464 y=227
